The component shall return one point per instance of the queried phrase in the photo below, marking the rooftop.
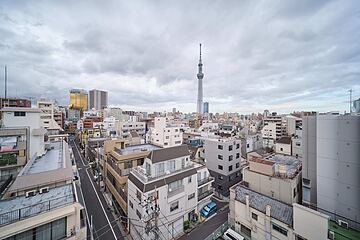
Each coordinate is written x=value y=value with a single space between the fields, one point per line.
x=15 y=209
x=137 y=148
x=343 y=233
x=20 y=109
x=164 y=154
x=285 y=165
x=284 y=140
x=279 y=210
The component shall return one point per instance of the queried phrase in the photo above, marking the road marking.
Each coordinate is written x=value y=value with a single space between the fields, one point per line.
x=112 y=230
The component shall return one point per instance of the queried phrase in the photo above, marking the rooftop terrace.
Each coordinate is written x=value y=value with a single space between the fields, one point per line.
x=137 y=148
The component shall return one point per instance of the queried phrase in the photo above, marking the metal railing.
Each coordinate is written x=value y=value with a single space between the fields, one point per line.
x=32 y=210
x=205 y=180
x=205 y=194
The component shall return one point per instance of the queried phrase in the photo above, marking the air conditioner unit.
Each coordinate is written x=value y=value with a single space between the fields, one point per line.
x=30 y=193
x=331 y=235
x=343 y=223
x=44 y=190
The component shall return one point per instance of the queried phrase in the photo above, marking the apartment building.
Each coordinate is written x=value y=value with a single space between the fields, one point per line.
x=284 y=146
x=124 y=129
x=251 y=142
x=14 y=102
x=42 y=202
x=98 y=99
x=120 y=159
x=223 y=159
x=331 y=169
x=161 y=181
x=274 y=128
x=14 y=152
x=52 y=118
x=29 y=118
x=293 y=125
x=257 y=216
x=276 y=176
x=164 y=134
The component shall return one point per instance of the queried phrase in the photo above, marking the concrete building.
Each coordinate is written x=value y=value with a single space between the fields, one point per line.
x=331 y=168
x=124 y=129
x=14 y=153
x=164 y=134
x=14 y=102
x=293 y=125
x=276 y=176
x=252 y=142
x=78 y=99
x=29 y=118
x=256 y=216
x=43 y=200
x=274 y=129
x=73 y=115
x=162 y=181
x=223 y=159
x=51 y=116
x=284 y=146
x=98 y=99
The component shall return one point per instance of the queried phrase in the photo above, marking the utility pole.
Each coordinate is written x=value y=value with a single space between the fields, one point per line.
x=152 y=223
x=91 y=229
x=350 y=100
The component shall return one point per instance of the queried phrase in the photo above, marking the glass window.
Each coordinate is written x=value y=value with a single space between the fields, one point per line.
x=191 y=196
x=174 y=206
x=237 y=146
x=237 y=165
x=220 y=157
x=254 y=216
x=175 y=185
x=230 y=168
x=160 y=169
x=189 y=179
x=58 y=229
x=230 y=157
x=171 y=165
x=280 y=229
x=43 y=232
x=237 y=155
x=220 y=167
x=220 y=147
x=131 y=204
x=230 y=148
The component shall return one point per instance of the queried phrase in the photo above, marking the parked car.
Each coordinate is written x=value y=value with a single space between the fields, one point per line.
x=209 y=209
x=232 y=235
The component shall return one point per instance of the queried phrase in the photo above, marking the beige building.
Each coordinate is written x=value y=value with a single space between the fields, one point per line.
x=51 y=116
x=277 y=176
x=43 y=201
x=283 y=146
x=164 y=134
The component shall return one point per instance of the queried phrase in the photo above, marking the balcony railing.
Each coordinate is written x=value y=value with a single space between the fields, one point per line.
x=8 y=160
x=32 y=210
x=205 y=194
x=176 y=191
x=204 y=181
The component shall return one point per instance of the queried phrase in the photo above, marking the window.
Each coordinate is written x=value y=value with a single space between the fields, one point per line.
x=138 y=214
x=294 y=192
x=167 y=137
x=237 y=145
x=159 y=169
x=230 y=148
x=230 y=158
x=220 y=147
x=174 y=206
x=280 y=229
x=220 y=177
x=189 y=179
x=237 y=165
x=230 y=168
x=298 y=144
x=191 y=196
x=131 y=204
x=171 y=165
x=128 y=164
x=19 y=114
x=254 y=216
x=220 y=157
x=173 y=186
x=237 y=155
x=281 y=149
x=220 y=167
x=245 y=230
x=138 y=195
x=177 y=142
x=176 y=130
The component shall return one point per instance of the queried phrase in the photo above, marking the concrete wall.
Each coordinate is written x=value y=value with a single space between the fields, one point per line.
x=283 y=148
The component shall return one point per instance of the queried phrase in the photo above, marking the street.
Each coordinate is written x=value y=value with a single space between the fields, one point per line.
x=208 y=227
x=105 y=225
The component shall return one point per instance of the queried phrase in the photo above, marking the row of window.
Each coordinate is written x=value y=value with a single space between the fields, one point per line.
x=221 y=147
x=231 y=157
x=220 y=167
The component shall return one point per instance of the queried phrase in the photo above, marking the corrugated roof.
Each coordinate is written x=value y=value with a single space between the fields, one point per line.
x=279 y=210
x=164 y=154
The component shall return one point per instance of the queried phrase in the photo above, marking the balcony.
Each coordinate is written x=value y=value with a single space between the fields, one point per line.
x=8 y=159
x=204 y=181
x=205 y=194
x=176 y=191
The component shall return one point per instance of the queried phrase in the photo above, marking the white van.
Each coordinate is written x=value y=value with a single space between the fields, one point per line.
x=232 y=235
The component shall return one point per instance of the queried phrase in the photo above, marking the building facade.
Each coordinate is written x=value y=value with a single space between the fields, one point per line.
x=164 y=134
x=78 y=99
x=98 y=99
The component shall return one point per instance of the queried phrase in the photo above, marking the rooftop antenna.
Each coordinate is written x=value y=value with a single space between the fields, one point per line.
x=350 y=91
x=5 y=82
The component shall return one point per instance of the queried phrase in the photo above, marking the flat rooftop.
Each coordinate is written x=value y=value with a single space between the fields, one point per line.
x=21 y=207
x=290 y=164
x=279 y=210
x=137 y=148
x=52 y=160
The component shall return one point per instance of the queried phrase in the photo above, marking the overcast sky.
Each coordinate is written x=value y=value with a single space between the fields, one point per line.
x=276 y=55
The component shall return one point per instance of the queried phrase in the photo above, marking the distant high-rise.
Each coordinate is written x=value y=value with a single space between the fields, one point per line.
x=98 y=99
x=206 y=107
x=78 y=99
x=200 y=77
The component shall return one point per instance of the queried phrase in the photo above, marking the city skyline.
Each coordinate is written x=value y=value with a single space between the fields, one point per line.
x=151 y=65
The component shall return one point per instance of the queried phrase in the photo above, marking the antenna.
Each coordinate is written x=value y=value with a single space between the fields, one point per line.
x=5 y=82
x=350 y=91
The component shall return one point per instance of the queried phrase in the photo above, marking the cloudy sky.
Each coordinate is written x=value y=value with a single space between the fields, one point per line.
x=276 y=55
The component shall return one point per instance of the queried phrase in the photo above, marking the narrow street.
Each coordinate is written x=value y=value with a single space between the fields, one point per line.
x=105 y=225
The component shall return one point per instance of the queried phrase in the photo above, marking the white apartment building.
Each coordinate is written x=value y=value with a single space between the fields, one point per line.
x=276 y=176
x=176 y=185
x=274 y=129
x=284 y=146
x=223 y=159
x=164 y=134
x=29 y=118
x=293 y=125
x=253 y=142
x=43 y=201
x=331 y=168
x=256 y=216
x=49 y=110
x=124 y=129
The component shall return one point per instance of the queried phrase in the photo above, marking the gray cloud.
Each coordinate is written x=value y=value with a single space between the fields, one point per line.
x=279 y=55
